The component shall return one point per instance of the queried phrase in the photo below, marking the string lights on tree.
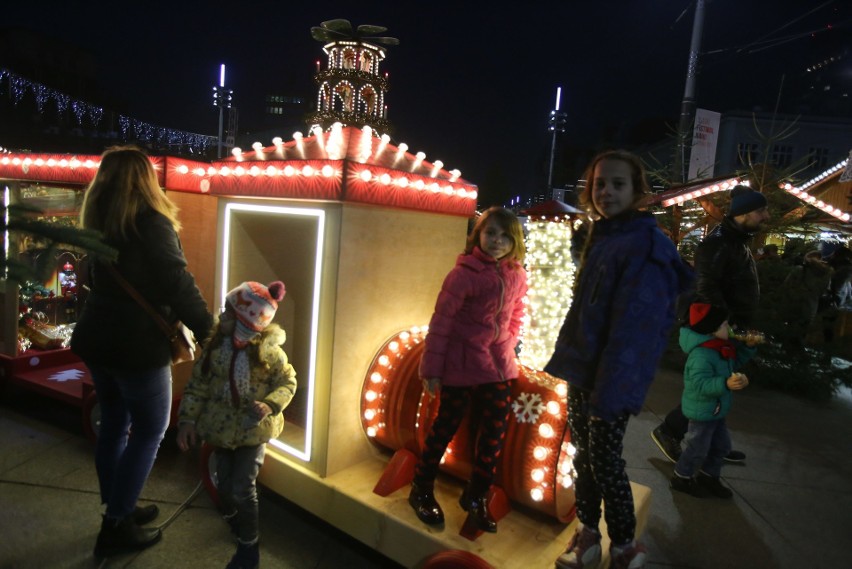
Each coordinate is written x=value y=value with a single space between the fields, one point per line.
x=550 y=271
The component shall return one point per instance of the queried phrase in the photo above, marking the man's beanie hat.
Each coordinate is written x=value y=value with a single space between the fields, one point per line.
x=706 y=318
x=254 y=306
x=745 y=200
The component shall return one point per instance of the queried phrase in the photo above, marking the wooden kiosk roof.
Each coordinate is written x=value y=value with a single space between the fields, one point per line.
x=342 y=164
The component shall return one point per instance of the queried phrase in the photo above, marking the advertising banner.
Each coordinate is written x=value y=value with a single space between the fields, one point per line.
x=705 y=135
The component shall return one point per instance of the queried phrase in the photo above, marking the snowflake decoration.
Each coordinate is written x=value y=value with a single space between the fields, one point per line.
x=528 y=407
x=66 y=375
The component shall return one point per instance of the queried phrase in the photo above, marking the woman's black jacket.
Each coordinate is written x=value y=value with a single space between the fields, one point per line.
x=113 y=329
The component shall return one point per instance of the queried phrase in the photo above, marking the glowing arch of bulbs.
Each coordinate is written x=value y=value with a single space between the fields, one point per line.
x=802 y=193
x=72 y=163
x=700 y=192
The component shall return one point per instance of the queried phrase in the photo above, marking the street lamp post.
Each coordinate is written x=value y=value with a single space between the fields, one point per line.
x=687 y=115
x=687 y=107
x=222 y=99
x=556 y=123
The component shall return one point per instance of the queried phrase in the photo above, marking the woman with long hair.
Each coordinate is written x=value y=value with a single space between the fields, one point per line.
x=127 y=354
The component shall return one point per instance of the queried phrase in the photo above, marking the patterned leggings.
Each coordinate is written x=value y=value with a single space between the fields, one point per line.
x=492 y=401
x=599 y=469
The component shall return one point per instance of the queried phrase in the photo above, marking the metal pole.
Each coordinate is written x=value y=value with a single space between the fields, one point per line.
x=680 y=169
x=687 y=107
x=221 y=121
x=554 y=127
x=552 y=157
x=222 y=102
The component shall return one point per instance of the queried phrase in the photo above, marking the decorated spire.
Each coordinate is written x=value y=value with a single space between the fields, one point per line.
x=351 y=86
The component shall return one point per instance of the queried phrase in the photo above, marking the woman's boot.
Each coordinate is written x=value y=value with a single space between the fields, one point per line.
x=145 y=514
x=124 y=536
x=246 y=557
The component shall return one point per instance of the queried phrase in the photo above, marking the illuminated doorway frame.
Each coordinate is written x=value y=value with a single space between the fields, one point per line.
x=319 y=215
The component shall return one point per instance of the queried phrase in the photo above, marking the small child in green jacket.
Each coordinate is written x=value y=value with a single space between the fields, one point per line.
x=709 y=377
x=234 y=401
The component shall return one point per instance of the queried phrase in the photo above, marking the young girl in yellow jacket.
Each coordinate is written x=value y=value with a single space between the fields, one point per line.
x=234 y=401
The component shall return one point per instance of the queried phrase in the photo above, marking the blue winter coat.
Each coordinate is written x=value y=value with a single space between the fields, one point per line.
x=621 y=314
x=706 y=396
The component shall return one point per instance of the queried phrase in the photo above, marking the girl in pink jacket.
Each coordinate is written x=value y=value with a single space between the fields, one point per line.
x=470 y=355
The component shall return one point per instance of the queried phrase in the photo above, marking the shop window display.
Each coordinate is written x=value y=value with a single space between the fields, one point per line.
x=48 y=306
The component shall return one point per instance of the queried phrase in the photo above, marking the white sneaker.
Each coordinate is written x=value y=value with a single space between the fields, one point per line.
x=583 y=552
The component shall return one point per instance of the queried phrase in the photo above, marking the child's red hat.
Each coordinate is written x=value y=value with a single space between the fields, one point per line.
x=706 y=318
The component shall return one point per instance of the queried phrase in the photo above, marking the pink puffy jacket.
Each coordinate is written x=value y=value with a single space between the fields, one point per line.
x=474 y=330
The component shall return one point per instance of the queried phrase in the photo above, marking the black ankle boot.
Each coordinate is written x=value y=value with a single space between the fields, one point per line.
x=246 y=557
x=422 y=499
x=145 y=514
x=476 y=504
x=124 y=536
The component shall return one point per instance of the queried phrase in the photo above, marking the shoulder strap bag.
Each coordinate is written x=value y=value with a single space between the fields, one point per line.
x=181 y=338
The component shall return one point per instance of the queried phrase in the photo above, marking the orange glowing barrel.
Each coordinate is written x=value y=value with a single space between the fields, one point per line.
x=535 y=467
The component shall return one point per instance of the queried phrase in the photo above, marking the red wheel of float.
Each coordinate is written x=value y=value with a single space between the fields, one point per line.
x=398 y=414
x=535 y=466
x=91 y=416
x=207 y=463
x=455 y=559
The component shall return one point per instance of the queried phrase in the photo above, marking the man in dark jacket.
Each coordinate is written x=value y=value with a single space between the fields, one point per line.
x=726 y=276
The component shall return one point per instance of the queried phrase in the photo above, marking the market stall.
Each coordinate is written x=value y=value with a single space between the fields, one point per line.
x=362 y=232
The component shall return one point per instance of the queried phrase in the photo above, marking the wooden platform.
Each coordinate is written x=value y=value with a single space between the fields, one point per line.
x=388 y=524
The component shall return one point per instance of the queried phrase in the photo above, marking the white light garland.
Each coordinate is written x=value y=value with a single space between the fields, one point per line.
x=801 y=192
x=700 y=192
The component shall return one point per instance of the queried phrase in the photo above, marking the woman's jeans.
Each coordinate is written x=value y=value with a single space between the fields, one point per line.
x=135 y=407
x=237 y=471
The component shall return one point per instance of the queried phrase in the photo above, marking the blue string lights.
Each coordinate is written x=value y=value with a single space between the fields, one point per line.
x=131 y=129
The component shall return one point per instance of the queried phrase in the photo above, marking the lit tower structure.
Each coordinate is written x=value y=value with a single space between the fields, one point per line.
x=351 y=87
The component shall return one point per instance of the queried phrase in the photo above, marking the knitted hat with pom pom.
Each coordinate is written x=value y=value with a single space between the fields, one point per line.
x=254 y=306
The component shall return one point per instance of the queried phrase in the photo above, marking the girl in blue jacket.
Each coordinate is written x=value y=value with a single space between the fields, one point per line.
x=609 y=347
x=470 y=354
x=708 y=379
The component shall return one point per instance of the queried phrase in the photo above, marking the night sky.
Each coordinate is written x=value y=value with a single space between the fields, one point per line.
x=471 y=83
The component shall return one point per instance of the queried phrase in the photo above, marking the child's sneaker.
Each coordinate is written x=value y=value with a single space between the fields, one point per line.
x=583 y=552
x=629 y=557
x=714 y=486
x=689 y=486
